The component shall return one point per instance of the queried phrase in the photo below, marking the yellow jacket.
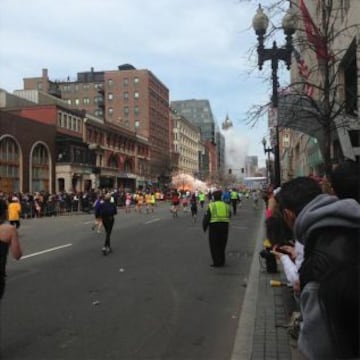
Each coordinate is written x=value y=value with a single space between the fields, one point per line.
x=14 y=211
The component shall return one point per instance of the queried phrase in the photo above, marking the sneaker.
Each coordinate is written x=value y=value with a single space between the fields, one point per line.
x=108 y=250
x=104 y=251
x=93 y=227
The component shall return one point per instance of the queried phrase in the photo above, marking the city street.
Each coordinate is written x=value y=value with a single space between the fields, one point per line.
x=154 y=297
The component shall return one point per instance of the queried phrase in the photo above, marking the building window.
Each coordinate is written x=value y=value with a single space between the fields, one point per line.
x=98 y=99
x=126 y=111
x=126 y=95
x=39 y=85
x=9 y=165
x=350 y=80
x=77 y=102
x=125 y=82
x=73 y=123
x=136 y=95
x=136 y=80
x=86 y=101
x=110 y=111
x=68 y=101
x=40 y=168
x=110 y=96
x=110 y=82
x=136 y=110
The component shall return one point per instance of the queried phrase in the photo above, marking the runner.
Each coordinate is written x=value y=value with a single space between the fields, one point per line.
x=201 y=199
x=107 y=211
x=148 y=199
x=128 y=199
x=139 y=202
x=98 y=222
x=175 y=200
x=193 y=207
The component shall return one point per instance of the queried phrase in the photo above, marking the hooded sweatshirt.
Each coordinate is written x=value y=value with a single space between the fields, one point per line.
x=326 y=211
x=329 y=229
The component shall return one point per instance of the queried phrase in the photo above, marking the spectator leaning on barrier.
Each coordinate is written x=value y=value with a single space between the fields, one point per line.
x=329 y=229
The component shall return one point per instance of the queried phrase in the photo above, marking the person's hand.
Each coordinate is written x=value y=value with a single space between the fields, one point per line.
x=296 y=287
x=290 y=250
x=277 y=254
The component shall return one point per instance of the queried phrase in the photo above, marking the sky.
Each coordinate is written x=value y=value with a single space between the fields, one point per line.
x=200 y=49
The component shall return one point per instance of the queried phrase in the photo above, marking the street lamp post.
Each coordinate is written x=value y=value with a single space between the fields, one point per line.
x=275 y=54
x=136 y=160
x=267 y=150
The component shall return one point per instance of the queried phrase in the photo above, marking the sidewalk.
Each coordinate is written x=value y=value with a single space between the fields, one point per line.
x=262 y=330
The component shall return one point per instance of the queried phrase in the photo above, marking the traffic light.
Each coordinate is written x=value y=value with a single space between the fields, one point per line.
x=230 y=171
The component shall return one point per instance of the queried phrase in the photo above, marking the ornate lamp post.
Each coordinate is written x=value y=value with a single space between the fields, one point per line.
x=274 y=54
x=267 y=150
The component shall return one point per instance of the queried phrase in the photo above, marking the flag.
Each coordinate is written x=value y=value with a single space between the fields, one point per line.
x=304 y=72
x=313 y=34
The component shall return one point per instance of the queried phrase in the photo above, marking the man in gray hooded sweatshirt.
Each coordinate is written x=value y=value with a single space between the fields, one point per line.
x=329 y=229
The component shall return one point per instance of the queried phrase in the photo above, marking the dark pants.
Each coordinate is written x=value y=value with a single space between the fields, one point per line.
x=2 y=286
x=218 y=235
x=15 y=223
x=234 y=205
x=108 y=223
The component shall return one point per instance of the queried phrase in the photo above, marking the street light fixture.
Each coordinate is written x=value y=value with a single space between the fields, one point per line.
x=260 y=24
x=267 y=150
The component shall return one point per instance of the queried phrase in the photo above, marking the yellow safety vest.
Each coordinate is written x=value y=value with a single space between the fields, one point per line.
x=234 y=195
x=220 y=212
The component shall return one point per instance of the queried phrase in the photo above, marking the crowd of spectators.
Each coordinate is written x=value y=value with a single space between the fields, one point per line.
x=43 y=203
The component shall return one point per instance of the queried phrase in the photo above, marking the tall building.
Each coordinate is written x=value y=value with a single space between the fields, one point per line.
x=133 y=99
x=187 y=146
x=199 y=113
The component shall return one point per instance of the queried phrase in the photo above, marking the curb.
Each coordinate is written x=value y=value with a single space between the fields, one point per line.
x=243 y=344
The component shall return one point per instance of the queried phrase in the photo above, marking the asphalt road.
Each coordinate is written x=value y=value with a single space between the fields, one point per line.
x=154 y=297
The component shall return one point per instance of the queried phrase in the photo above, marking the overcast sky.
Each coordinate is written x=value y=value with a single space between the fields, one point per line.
x=199 y=49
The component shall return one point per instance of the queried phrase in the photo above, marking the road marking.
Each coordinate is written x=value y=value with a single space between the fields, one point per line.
x=46 y=251
x=151 y=221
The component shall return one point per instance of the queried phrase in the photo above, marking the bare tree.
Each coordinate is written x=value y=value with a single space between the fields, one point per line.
x=322 y=97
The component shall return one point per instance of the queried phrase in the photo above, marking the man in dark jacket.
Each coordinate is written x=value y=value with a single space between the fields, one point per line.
x=107 y=212
x=329 y=229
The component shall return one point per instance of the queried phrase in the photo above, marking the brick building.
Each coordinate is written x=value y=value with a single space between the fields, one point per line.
x=27 y=154
x=135 y=100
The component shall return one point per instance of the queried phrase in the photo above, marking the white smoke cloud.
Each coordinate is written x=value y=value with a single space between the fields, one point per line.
x=236 y=149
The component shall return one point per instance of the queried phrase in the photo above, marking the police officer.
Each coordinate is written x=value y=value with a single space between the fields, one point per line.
x=217 y=218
